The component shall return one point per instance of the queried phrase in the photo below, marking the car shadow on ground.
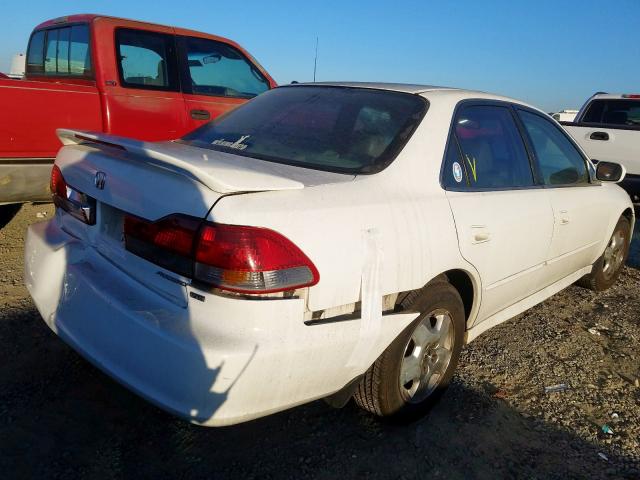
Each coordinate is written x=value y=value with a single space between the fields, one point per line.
x=62 y=418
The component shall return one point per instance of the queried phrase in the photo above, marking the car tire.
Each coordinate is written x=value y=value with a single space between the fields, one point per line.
x=607 y=268
x=386 y=390
x=7 y=212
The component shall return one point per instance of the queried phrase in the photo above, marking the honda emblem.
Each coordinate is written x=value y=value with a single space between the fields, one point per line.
x=99 y=180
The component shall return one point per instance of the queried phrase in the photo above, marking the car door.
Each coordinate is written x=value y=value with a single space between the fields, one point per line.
x=147 y=102
x=216 y=77
x=579 y=210
x=503 y=218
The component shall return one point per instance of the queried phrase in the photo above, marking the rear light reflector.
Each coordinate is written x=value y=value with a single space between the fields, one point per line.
x=251 y=260
x=58 y=186
x=236 y=258
x=631 y=95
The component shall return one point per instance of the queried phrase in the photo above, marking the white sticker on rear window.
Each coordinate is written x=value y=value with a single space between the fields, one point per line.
x=238 y=145
x=457 y=172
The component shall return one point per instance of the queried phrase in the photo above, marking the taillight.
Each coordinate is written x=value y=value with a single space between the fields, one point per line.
x=72 y=201
x=236 y=258
x=167 y=242
x=58 y=186
x=251 y=260
x=631 y=95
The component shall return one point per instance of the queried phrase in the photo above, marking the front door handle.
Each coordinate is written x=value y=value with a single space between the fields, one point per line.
x=599 y=136
x=480 y=234
x=200 y=114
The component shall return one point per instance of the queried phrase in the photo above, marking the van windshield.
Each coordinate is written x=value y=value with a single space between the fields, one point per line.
x=337 y=129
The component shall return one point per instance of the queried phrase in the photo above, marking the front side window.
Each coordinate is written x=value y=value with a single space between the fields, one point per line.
x=493 y=153
x=146 y=60
x=614 y=112
x=60 y=52
x=338 y=129
x=559 y=162
x=218 y=69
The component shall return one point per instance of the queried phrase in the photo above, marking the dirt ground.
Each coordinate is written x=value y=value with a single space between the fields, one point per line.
x=62 y=418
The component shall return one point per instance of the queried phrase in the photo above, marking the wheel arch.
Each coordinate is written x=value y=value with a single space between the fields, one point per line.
x=467 y=285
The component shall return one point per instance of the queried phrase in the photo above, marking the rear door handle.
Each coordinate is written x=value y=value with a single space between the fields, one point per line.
x=599 y=136
x=480 y=234
x=200 y=114
x=564 y=217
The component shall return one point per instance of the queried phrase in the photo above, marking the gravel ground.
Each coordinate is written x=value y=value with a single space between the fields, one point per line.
x=62 y=418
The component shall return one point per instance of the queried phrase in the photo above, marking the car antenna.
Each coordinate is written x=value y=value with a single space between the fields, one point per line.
x=315 y=61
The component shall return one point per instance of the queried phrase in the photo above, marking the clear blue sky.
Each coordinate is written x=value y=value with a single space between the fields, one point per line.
x=553 y=54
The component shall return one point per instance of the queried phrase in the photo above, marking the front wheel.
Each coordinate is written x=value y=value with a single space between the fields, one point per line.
x=607 y=268
x=414 y=371
x=7 y=212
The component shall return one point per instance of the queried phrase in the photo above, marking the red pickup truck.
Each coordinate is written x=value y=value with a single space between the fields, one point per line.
x=118 y=76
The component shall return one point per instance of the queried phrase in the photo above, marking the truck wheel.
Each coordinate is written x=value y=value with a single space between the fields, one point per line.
x=7 y=212
x=607 y=268
x=414 y=371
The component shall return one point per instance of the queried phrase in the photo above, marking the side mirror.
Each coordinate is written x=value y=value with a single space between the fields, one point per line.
x=610 y=172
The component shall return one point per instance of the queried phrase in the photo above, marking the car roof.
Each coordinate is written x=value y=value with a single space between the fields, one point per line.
x=396 y=87
x=619 y=96
x=431 y=91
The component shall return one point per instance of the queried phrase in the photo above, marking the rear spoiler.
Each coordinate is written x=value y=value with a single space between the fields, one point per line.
x=146 y=152
x=213 y=174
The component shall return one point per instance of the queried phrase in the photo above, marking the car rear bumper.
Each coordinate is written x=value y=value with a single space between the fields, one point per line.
x=220 y=361
x=25 y=180
x=631 y=183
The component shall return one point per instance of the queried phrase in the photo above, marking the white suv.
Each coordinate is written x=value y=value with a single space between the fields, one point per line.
x=322 y=240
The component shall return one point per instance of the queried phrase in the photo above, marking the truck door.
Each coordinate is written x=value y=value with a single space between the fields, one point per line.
x=146 y=101
x=216 y=77
x=503 y=219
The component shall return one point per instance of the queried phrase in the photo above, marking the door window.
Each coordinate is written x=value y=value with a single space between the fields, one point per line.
x=215 y=68
x=60 y=52
x=146 y=60
x=559 y=161
x=493 y=153
x=614 y=112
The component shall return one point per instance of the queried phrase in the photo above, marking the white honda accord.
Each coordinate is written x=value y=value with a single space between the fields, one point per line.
x=320 y=241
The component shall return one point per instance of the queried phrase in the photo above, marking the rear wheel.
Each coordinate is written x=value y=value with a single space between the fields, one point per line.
x=7 y=212
x=607 y=268
x=414 y=371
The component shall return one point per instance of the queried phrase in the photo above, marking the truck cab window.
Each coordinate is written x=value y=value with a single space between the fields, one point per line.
x=218 y=69
x=614 y=112
x=146 y=60
x=559 y=161
x=35 y=54
x=60 y=52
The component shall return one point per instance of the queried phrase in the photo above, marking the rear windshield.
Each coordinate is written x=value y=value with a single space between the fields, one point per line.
x=337 y=129
x=614 y=112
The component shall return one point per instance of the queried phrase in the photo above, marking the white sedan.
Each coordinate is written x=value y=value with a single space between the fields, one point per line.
x=320 y=241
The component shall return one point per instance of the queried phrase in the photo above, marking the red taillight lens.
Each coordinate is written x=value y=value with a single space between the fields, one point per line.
x=230 y=257
x=175 y=233
x=251 y=260
x=631 y=95
x=58 y=186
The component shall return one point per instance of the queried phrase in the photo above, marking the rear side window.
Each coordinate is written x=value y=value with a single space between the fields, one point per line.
x=146 y=60
x=60 y=51
x=613 y=112
x=493 y=152
x=218 y=69
x=337 y=129
x=559 y=162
